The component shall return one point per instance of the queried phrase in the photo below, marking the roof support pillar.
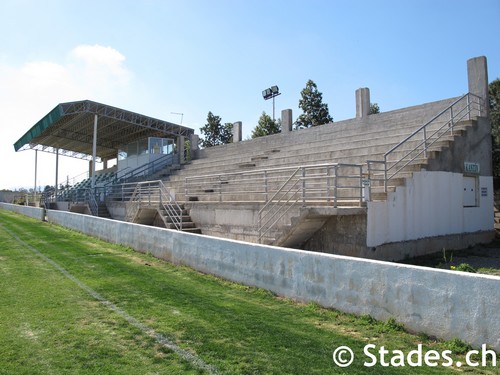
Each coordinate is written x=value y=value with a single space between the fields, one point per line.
x=94 y=150
x=57 y=174
x=36 y=170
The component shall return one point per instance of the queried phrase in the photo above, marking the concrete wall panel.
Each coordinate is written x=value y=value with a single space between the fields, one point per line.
x=446 y=304
x=33 y=212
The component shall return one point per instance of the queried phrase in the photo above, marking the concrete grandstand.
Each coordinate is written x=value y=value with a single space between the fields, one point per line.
x=385 y=186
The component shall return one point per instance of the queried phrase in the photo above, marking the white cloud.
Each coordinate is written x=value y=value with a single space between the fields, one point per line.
x=99 y=67
x=31 y=90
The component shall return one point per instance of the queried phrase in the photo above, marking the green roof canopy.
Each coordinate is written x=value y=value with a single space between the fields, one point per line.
x=69 y=128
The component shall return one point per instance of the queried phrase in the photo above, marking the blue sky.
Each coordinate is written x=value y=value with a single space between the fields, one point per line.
x=157 y=57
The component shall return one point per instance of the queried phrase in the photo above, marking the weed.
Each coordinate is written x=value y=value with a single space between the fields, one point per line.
x=390 y=325
x=464 y=267
x=447 y=258
x=457 y=346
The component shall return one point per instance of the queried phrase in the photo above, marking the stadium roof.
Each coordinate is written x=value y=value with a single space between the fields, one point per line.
x=69 y=128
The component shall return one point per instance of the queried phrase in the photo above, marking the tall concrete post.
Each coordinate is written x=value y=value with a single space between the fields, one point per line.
x=286 y=120
x=362 y=102
x=181 y=147
x=477 y=73
x=237 y=131
x=195 y=145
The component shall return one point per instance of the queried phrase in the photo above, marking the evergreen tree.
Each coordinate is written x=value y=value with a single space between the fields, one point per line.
x=214 y=133
x=374 y=109
x=226 y=133
x=494 y=94
x=315 y=111
x=266 y=126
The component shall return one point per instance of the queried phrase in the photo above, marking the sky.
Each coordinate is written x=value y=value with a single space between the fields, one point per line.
x=161 y=57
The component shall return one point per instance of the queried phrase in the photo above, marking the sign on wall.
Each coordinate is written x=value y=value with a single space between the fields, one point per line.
x=472 y=168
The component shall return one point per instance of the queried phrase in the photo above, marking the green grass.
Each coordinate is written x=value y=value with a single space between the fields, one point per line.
x=50 y=325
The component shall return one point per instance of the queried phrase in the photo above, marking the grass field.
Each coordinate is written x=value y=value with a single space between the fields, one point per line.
x=71 y=304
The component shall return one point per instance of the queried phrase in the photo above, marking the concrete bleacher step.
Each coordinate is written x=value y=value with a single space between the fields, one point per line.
x=292 y=152
x=325 y=154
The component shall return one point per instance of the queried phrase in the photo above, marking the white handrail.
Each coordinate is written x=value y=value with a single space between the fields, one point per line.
x=152 y=193
x=464 y=111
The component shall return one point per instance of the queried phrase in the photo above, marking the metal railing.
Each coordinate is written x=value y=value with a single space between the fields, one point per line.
x=145 y=170
x=325 y=184
x=320 y=184
x=92 y=202
x=147 y=194
x=417 y=144
x=282 y=189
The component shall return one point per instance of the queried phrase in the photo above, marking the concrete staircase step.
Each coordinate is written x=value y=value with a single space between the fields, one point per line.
x=192 y=230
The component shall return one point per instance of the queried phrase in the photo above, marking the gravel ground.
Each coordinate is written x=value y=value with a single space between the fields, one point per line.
x=480 y=256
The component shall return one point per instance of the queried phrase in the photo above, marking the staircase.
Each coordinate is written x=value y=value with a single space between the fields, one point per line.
x=497 y=213
x=418 y=150
x=165 y=220
x=152 y=204
x=102 y=210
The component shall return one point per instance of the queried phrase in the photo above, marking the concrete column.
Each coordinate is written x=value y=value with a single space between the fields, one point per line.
x=195 y=142
x=237 y=131
x=286 y=120
x=477 y=73
x=195 y=145
x=362 y=102
x=180 y=148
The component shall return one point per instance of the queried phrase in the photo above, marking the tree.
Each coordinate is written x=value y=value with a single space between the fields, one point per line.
x=215 y=133
x=266 y=126
x=315 y=111
x=494 y=94
x=374 y=109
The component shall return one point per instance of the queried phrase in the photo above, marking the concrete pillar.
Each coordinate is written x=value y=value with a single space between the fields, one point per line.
x=180 y=148
x=104 y=163
x=286 y=120
x=195 y=142
x=237 y=131
x=195 y=145
x=477 y=73
x=362 y=102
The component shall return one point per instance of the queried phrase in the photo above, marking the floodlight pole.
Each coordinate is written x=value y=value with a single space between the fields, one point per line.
x=273 y=106
x=269 y=93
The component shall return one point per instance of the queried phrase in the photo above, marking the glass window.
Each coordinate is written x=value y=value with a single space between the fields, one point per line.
x=143 y=146
x=167 y=146
x=155 y=145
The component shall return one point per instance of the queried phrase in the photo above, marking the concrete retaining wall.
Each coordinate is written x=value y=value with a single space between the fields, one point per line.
x=446 y=304
x=33 y=212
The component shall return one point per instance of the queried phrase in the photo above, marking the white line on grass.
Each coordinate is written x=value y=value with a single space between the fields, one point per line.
x=161 y=339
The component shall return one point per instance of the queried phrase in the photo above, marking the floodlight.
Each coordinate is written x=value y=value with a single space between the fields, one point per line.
x=266 y=94
x=271 y=92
